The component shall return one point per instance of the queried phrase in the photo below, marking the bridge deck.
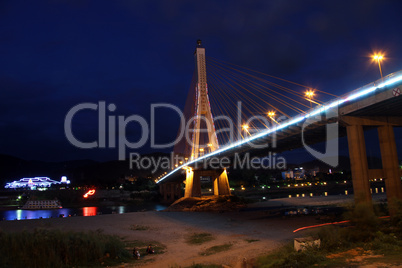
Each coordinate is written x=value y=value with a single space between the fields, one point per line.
x=380 y=98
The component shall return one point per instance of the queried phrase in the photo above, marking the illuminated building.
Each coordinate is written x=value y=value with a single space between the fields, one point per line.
x=36 y=182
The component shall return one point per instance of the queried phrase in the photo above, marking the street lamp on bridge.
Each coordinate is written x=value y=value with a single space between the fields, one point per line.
x=309 y=94
x=271 y=114
x=245 y=128
x=378 y=58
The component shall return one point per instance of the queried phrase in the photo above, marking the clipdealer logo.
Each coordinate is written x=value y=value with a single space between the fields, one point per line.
x=112 y=133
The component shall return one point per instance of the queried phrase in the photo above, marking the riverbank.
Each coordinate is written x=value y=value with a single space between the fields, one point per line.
x=250 y=233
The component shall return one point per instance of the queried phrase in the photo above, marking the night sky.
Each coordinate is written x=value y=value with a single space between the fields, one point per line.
x=57 y=54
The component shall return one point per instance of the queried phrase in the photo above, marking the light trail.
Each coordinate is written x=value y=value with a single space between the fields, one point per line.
x=328 y=223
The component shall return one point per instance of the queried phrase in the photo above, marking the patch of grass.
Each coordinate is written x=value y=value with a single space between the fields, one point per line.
x=199 y=238
x=287 y=257
x=216 y=249
x=56 y=248
x=142 y=246
x=137 y=227
x=251 y=240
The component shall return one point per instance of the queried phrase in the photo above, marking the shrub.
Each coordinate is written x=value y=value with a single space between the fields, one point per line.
x=216 y=249
x=199 y=238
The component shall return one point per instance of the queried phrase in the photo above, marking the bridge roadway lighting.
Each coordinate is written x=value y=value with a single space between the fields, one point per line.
x=271 y=115
x=209 y=146
x=397 y=78
x=309 y=94
x=245 y=128
x=378 y=58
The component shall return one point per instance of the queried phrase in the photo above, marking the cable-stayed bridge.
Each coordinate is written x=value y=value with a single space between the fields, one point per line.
x=243 y=112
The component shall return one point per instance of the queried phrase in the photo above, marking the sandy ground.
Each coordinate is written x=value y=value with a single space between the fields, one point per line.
x=172 y=228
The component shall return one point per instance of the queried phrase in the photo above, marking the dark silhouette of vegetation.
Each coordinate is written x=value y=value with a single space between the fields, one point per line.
x=55 y=248
x=365 y=231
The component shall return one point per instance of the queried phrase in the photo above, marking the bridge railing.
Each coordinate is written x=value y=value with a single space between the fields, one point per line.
x=356 y=93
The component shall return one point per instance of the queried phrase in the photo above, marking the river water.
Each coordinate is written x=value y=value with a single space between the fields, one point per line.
x=24 y=214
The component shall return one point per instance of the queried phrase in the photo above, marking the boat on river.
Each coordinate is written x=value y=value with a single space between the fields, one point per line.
x=42 y=204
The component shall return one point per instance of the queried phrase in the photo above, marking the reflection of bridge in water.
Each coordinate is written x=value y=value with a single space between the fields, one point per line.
x=376 y=105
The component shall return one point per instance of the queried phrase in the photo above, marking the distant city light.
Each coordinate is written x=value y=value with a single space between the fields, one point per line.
x=90 y=192
x=33 y=183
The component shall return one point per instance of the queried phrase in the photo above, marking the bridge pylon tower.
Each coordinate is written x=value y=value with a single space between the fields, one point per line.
x=202 y=107
x=203 y=113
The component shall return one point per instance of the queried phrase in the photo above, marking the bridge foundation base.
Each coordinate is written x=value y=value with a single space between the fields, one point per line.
x=193 y=182
x=170 y=191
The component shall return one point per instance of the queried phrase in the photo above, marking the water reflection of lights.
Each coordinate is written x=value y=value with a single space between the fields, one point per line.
x=122 y=209
x=89 y=211
x=19 y=214
x=22 y=214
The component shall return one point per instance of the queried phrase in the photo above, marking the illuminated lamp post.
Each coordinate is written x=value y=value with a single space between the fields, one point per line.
x=378 y=58
x=271 y=115
x=245 y=128
x=309 y=94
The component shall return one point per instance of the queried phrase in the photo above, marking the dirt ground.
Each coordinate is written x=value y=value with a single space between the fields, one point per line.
x=251 y=233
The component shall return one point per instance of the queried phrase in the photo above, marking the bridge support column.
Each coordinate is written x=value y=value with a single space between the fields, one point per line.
x=193 y=183
x=358 y=162
x=170 y=191
x=390 y=166
x=221 y=184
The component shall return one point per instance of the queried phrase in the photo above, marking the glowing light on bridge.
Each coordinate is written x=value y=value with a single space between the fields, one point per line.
x=310 y=95
x=271 y=114
x=378 y=58
x=379 y=84
x=246 y=128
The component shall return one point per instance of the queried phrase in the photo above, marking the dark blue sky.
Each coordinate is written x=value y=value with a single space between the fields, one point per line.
x=57 y=54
